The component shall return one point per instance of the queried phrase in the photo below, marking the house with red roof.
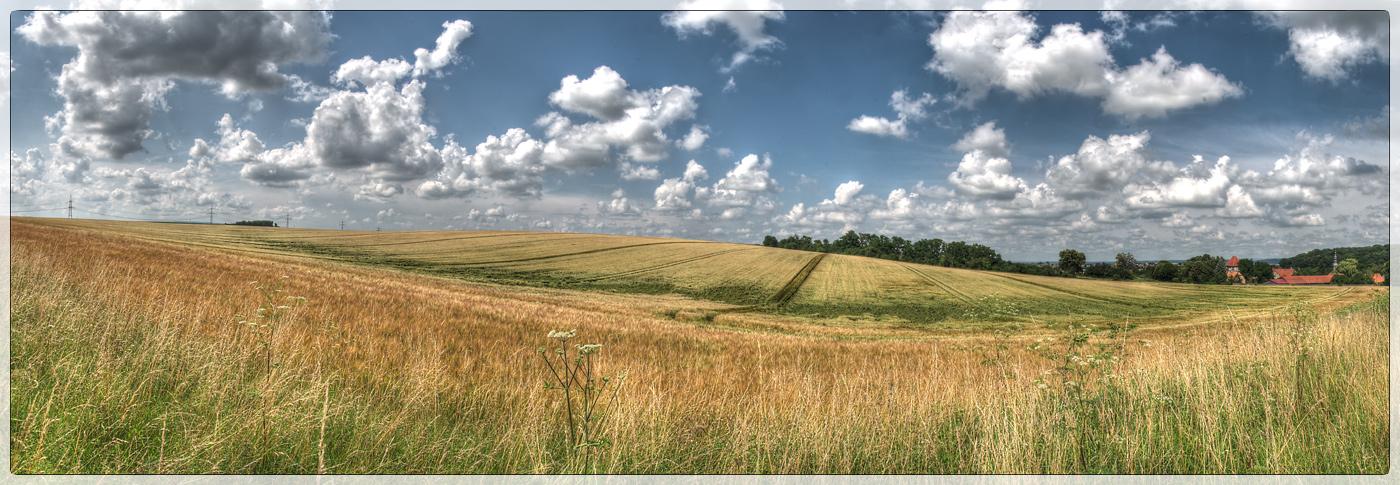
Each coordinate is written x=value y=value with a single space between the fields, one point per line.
x=1281 y=272
x=1324 y=279
x=1232 y=271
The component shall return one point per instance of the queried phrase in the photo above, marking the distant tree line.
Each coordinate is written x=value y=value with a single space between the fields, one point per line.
x=255 y=223
x=1319 y=261
x=937 y=252
x=1360 y=264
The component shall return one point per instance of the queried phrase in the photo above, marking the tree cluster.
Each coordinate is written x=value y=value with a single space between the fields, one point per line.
x=1369 y=259
x=255 y=223
x=954 y=254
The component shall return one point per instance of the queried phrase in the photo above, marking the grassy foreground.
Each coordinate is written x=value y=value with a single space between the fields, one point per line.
x=128 y=357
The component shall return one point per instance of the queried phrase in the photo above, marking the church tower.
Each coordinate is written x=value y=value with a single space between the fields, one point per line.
x=1334 y=261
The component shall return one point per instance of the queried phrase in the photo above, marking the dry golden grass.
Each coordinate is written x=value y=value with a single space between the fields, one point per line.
x=840 y=289
x=440 y=376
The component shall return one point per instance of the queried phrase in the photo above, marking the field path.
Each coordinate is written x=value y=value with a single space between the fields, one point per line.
x=666 y=265
x=785 y=294
x=941 y=285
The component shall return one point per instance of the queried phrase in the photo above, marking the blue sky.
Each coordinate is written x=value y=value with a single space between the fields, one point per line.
x=1165 y=134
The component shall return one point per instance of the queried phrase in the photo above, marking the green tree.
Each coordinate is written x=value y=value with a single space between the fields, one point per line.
x=1198 y=271
x=1164 y=271
x=1124 y=265
x=1260 y=272
x=1072 y=261
x=1349 y=273
x=770 y=241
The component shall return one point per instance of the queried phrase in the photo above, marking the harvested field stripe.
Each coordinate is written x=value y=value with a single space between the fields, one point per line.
x=552 y=256
x=1061 y=290
x=400 y=243
x=940 y=285
x=784 y=295
x=1081 y=295
x=666 y=265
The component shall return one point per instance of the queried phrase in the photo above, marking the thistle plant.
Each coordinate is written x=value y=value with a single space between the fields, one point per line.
x=1079 y=366
x=270 y=314
x=275 y=309
x=1301 y=338
x=577 y=374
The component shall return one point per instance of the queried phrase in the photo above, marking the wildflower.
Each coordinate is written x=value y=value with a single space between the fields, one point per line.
x=562 y=334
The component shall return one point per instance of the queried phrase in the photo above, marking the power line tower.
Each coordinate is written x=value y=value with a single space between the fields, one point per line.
x=342 y=224
x=211 y=214
x=289 y=219
x=70 y=206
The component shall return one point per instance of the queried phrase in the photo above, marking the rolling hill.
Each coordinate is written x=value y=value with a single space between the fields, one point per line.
x=811 y=287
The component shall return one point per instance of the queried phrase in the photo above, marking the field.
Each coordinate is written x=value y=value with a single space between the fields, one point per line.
x=415 y=352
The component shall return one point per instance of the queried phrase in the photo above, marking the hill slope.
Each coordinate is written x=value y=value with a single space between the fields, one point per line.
x=750 y=279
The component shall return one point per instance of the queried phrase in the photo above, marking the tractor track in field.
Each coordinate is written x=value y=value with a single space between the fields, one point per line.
x=425 y=241
x=785 y=294
x=1081 y=295
x=552 y=256
x=665 y=265
x=941 y=285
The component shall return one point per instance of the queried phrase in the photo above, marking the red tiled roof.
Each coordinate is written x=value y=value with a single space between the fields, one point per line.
x=1283 y=271
x=1377 y=278
x=1303 y=280
x=1234 y=262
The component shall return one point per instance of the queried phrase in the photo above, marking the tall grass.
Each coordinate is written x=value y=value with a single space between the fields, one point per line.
x=127 y=358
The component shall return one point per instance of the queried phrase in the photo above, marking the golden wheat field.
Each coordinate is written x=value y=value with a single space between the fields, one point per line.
x=425 y=352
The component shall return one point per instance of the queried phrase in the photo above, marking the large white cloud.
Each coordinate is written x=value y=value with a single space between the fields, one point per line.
x=1158 y=85
x=674 y=194
x=980 y=176
x=369 y=72
x=375 y=129
x=745 y=186
x=745 y=18
x=1328 y=45
x=1191 y=189
x=510 y=164
x=985 y=50
x=127 y=61
x=629 y=120
x=445 y=50
x=1313 y=165
x=380 y=129
x=1100 y=166
x=986 y=137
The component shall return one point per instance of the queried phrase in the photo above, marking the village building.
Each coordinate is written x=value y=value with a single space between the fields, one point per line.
x=1285 y=276
x=1232 y=271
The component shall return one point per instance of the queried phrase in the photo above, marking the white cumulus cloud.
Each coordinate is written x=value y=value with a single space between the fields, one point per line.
x=746 y=18
x=985 y=50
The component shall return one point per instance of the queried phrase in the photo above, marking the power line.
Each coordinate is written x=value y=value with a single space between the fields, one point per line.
x=128 y=218
x=70 y=206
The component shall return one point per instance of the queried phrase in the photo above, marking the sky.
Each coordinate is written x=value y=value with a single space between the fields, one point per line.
x=1166 y=134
